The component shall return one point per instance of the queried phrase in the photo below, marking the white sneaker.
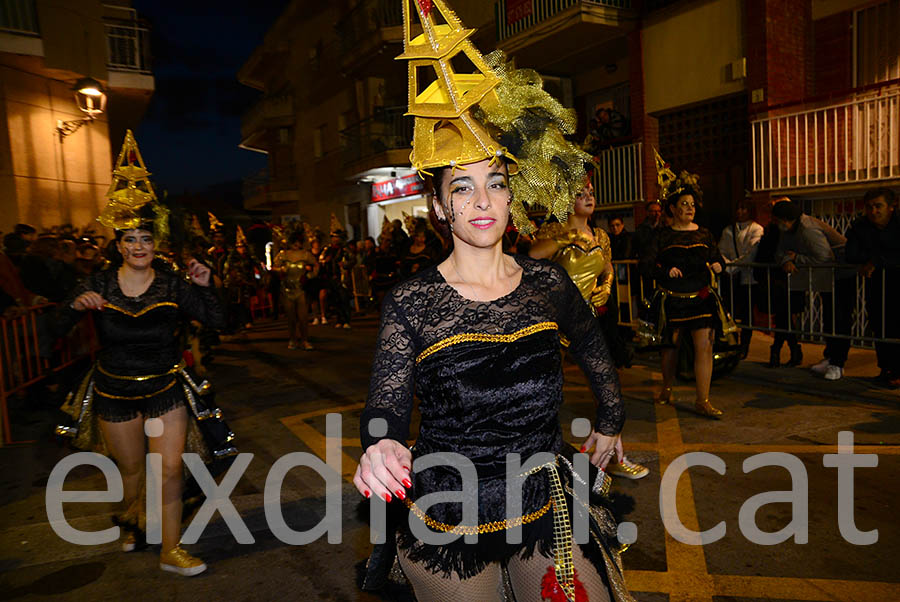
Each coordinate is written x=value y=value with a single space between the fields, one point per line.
x=834 y=373
x=821 y=367
x=346 y=325
x=315 y=322
x=324 y=321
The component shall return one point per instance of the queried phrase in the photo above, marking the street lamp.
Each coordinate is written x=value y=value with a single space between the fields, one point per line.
x=91 y=100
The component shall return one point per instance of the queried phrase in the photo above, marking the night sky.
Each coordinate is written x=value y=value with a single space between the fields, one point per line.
x=190 y=134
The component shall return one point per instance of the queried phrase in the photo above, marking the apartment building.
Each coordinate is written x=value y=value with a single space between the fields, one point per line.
x=56 y=143
x=774 y=97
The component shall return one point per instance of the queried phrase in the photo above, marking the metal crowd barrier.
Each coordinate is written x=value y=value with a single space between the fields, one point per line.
x=27 y=355
x=847 y=289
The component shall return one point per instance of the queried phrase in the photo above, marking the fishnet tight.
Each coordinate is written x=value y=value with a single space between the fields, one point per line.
x=526 y=577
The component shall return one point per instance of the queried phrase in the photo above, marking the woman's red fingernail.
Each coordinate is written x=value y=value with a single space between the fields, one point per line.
x=583 y=447
x=406 y=468
x=367 y=493
x=407 y=483
x=387 y=498
x=400 y=494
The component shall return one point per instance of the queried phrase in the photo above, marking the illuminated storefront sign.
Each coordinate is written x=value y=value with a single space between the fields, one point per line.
x=397 y=188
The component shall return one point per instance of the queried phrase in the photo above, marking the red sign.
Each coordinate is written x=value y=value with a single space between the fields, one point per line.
x=397 y=188
x=516 y=10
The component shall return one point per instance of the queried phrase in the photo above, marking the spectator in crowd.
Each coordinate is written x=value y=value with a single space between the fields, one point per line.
x=64 y=265
x=37 y=269
x=315 y=285
x=218 y=253
x=87 y=258
x=26 y=233
x=334 y=267
x=738 y=244
x=873 y=241
x=13 y=293
x=14 y=246
x=620 y=239
x=419 y=254
x=803 y=244
x=400 y=240
x=643 y=238
x=387 y=268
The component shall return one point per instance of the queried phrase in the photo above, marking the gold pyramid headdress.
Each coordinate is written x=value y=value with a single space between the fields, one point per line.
x=130 y=192
x=214 y=224
x=240 y=237
x=336 y=228
x=494 y=112
x=669 y=184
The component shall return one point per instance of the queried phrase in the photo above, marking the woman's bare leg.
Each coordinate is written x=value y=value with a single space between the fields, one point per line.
x=170 y=445
x=125 y=441
x=703 y=360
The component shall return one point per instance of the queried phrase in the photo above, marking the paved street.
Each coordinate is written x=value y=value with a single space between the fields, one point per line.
x=276 y=401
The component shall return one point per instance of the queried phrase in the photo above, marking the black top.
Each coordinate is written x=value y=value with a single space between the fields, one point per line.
x=691 y=251
x=489 y=377
x=137 y=334
x=866 y=243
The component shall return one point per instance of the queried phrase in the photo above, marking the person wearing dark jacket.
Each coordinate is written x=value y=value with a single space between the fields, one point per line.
x=873 y=242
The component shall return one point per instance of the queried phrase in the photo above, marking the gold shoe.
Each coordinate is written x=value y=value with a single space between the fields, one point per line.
x=178 y=561
x=663 y=396
x=628 y=469
x=704 y=407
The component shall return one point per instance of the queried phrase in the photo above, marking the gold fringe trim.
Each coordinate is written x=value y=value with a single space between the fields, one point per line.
x=491 y=527
x=486 y=338
x=143 y=311
x=697 y=317
x=177 y=368
x=136 y=397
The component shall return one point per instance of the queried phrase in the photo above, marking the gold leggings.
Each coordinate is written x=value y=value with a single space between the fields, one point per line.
x=296 y=311
x=526 y=577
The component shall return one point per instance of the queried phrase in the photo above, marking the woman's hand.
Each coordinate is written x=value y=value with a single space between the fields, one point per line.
x=384 y=470
x=716 y=267
x=198 y=272
x=675 y=273
x=605 y=448
x=88 y=300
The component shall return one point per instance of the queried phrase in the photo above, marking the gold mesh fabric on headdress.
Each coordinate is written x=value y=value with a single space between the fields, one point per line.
x=495 y=112
x=336 y=228
x=669 y=184
x=240 y=238
x=129 y=191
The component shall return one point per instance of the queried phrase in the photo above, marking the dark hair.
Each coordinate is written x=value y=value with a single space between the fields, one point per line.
x=13 y=243
x=296 y=236
x=889 y=197
x=786 y=210
x=24 y=229
x=648 y=203
x=611 y=218
x=372 y=239
x=750 y=205
x=435 y=181
x=672 y=199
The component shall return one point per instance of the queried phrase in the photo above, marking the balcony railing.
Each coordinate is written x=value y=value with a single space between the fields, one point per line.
x=388 y=130
x=618 y=177
x=260 y=189
x=19 y=16
x=128 y=47
x=857 y=140
x=279 y=106
x=516 y=16
x=366 y=18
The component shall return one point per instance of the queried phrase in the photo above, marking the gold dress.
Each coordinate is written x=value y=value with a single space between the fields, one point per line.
x=587 y=261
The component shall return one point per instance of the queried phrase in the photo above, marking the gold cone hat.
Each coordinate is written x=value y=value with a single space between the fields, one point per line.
x=129 y=190
x=445 y=132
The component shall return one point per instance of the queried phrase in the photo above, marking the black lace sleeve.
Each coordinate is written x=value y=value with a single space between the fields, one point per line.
x=199 y=303
x=391 y=385
x=588 y=347
x=65 y=318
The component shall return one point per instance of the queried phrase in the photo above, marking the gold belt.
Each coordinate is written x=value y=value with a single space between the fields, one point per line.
x=177 y=368
x=562 y=528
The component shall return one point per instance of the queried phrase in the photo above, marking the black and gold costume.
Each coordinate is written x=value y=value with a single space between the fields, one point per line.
x=139 y=369
x=489 y=377
x=689 y=301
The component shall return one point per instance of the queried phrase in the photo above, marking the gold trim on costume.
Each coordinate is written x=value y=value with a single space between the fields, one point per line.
x=142 y=311
x=491 y=527
x=141 y=378
x=697 y=317
x=487 y=338
x=693 y=246
x=136 y=397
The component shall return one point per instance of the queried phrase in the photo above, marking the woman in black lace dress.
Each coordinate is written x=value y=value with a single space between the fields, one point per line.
x=680 y=258
x=139 y=305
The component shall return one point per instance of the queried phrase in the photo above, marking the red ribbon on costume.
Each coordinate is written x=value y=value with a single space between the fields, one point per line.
x=703 y=293
x=551 y=590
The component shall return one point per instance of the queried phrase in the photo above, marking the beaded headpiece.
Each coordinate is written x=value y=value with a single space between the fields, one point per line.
x=494 y=112
x=669 y=184
x=132 y=202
